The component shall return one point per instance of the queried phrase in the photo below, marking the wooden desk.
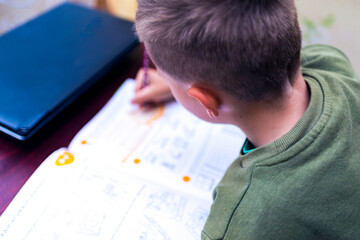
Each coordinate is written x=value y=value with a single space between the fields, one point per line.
x=19 y=160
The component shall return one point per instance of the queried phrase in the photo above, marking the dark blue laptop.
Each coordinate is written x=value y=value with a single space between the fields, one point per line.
x=48 y=62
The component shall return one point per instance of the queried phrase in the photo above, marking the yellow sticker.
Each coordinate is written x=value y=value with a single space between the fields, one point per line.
x=64 y=159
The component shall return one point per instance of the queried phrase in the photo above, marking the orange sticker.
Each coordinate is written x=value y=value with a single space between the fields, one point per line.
x=83 y=142
x=137 y=161
x=186 y=179
x=64 y=159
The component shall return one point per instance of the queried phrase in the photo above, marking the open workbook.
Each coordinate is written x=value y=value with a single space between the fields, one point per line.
x=128 y=174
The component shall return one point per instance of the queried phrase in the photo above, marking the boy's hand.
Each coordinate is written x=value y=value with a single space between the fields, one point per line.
x=157 y=91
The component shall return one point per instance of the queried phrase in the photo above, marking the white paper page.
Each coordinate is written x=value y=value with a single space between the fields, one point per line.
x=167 y=138
x=128 y=174
x=85 y=200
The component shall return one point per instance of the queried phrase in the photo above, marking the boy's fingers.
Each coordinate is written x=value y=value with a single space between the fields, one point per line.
x=157 y=91
x=145 y=95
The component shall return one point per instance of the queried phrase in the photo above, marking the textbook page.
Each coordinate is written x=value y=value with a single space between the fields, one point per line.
x=168 y=138
x=128 y=174
x=83 y=200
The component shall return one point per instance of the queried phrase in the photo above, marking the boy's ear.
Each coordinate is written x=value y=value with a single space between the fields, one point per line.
x=207 y=99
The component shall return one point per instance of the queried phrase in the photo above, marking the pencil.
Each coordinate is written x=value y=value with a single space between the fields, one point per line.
x=146 y=68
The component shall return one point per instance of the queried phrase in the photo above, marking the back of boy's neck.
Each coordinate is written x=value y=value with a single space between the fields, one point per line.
x=265 y=122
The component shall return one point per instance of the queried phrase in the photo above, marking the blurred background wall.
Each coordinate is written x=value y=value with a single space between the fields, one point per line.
x=16 y=12
x=333 y=22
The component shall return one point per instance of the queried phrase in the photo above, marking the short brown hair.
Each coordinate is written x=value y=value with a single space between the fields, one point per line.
x=248 y=48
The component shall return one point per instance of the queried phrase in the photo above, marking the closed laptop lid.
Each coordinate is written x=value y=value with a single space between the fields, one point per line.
x=47 y=62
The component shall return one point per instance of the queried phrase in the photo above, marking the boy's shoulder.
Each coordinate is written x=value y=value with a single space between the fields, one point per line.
x=327 y=58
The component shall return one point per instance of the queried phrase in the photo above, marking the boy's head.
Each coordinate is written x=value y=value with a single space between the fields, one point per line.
x=249 y=49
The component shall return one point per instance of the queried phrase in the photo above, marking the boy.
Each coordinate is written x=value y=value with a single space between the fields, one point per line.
x=238 y=62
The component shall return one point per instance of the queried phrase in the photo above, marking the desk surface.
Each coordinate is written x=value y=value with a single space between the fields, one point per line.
x=19 y=160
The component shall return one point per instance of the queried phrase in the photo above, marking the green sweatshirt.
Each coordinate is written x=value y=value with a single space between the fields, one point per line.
x=306 y=184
